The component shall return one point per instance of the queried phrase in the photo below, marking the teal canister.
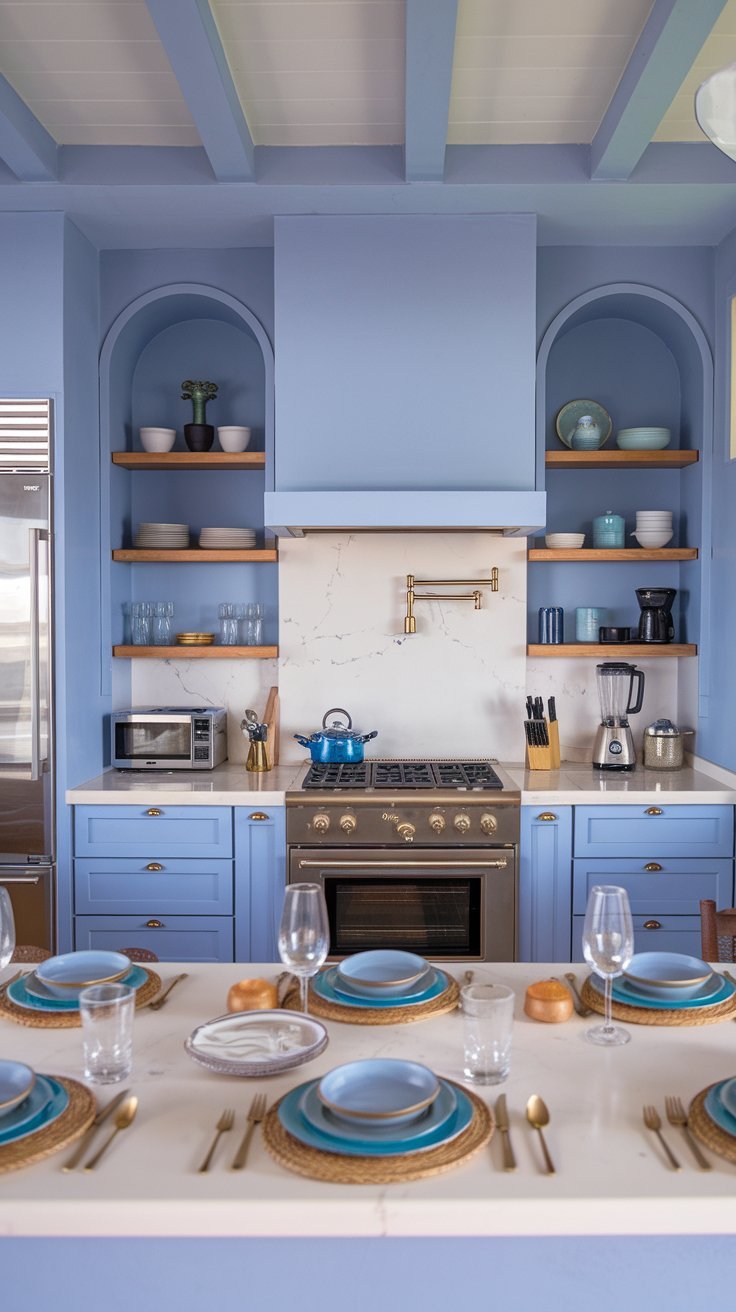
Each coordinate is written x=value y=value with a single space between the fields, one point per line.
x=609 y=530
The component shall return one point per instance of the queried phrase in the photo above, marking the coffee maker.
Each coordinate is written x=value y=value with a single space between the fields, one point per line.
x=655 y=621
x=614 y=744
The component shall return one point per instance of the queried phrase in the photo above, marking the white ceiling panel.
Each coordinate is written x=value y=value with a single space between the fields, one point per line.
x=94 y=72
x=679 y=123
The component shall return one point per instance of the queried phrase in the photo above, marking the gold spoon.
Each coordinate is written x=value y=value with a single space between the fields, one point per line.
x=538 y=1116
x=124 y=1118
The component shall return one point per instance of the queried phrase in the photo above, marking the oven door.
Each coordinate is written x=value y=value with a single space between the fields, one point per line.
x=152 y=741
x=450 y=906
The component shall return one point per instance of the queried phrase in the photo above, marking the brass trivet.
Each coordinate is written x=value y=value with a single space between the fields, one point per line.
x=326 y=1010
x=338 y=1169
x=660 y=1015
x=707 y=1131
x=64 y=1020
x=74 y=1120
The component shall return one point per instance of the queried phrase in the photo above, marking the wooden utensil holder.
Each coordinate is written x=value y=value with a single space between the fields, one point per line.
x=545 y=758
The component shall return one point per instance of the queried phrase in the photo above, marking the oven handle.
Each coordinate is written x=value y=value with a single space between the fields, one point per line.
x=402 y=865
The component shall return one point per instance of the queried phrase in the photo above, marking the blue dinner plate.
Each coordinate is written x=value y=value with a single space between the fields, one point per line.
x=416 y=1132
x=716 y=1109
x=20 y=993
x=347 y=989
x=46 y=1101
x=728 y=1095
x=714 y=991
x=324 y=987
x=293 y=1120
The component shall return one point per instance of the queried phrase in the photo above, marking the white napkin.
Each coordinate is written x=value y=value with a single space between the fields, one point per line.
x=248 y=1040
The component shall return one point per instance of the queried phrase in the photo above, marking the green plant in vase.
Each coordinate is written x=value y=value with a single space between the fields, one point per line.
x=199 y=435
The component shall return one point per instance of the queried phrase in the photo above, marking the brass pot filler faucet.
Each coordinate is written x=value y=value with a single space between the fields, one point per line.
x=410 y=621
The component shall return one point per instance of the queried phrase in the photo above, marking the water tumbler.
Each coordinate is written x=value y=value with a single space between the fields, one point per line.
x=551 y=624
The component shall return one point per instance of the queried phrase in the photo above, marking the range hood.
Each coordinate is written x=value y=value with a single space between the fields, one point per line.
x=513 y=513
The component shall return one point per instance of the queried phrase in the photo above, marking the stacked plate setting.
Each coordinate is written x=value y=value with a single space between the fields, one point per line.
x=382 y=978
x=667 y=981
x=653 y=528
x=55 y=984
x=227 y=539
x=167 y=536
x=28 y=1101
x=720 y=1106
x=195 y=639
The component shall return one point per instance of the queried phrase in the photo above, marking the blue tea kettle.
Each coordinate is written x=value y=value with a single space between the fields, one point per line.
x=338 y=743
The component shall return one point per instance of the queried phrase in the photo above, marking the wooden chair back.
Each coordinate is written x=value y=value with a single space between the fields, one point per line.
x=717 y=932
x=27 y=953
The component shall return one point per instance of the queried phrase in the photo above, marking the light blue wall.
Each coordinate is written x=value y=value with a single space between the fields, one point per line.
x=405 y=352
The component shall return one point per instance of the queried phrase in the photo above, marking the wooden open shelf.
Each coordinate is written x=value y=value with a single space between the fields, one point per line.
x=610 y=651
x=187 y=653
x=620 y=459
x=189 y=460
x=194 y=555
x=600 y=554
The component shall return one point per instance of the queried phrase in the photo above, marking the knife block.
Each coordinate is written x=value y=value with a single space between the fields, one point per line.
x=545 y=758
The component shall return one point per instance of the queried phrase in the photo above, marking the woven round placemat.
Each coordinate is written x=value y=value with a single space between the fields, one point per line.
x=74 y=1120
x=338 y=1169
x=325 y=1010
x=707 y=1131
x=660 y=1016
x=65 y=1020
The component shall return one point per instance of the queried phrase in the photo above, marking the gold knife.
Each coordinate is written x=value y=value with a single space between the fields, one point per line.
x=86 y=1139
x=502 y=1121
x=156 y=1003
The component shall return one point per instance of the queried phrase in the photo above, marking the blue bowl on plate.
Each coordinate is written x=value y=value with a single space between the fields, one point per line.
x=16 y=1082
x=667 y=974
x=383 y=972
x=67 y=975
x=378 y=1091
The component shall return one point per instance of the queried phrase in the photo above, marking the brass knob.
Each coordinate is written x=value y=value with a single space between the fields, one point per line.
x=155 y=924
x=154 y=865
x=258 y=815
x=652 y=865
x=462 y=822
x=406 y=831
x=321 y=822
x=652 y=924
x=546 y=815
x=653 y=810
x=436 y=822
x=488 y=823
x=348 y=823
x=153 y=810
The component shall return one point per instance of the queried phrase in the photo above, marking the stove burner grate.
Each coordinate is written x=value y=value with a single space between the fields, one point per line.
x=393 y=775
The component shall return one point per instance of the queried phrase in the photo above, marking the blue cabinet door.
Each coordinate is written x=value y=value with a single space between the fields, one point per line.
x=175 y=938
x=545 y=883
x=153 y=888
x=153 y=831
x=667 y=887
x=260 y=876
x=654 y=831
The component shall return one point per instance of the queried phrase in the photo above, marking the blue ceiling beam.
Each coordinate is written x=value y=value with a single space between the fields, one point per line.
x=430 y=46
x=192 y=42
x=25 y=145
x=663 y=56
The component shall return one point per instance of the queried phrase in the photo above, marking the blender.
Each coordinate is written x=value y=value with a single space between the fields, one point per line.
x=614 y=744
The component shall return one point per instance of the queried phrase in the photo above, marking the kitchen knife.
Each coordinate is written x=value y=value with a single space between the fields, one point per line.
x=86 y=1139
x=552 y=709
x=539 y=708
x=502 y=1121
x=530 y=708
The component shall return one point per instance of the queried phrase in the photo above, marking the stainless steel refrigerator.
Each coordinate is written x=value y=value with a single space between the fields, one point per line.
x=27 y=840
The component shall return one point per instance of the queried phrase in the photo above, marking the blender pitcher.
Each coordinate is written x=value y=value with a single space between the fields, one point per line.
x=614 y=744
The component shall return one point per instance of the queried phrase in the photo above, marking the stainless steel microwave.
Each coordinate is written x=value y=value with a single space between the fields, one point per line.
x=169 y=738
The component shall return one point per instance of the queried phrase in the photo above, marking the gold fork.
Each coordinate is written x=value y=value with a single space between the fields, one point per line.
x=225 y=1123
x=653 y=1122
x=676 y=1115
x=255 y=1116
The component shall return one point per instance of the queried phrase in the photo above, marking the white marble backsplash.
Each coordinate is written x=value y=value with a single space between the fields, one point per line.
x=234 y=684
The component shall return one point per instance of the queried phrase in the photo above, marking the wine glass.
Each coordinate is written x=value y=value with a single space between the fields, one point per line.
x=7 y=928
x=304 y=933
x=608 y=946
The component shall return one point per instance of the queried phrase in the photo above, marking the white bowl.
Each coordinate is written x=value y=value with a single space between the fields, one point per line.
x=564 y=541
x=232 y=438
x=652 y=540
x=157 y=439
x=654 y=514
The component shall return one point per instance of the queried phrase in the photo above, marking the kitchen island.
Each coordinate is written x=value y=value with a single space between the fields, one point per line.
x=611 y=1177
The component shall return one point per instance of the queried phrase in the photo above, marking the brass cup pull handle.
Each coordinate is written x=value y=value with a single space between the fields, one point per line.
x=654 y=810
x=155 y=924
x=652 y=924
x=653 y=865
x=153 y=810
x=258 y=815
x=546 y=815
x=154 y=865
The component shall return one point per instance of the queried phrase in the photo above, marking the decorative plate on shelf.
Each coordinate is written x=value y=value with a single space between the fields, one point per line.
x=568 y=416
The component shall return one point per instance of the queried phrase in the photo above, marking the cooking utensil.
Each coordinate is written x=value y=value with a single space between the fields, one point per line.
x=653 y=1122
x=255 y=1116
x=87 y=1138
x=664 y=745
x=676 y=1115
x=337 y=744
x=159 y=1001
x=538 y=1116
x=580 y=1007
x=124 y=1118
x=502 y=1121
x=224 y=1124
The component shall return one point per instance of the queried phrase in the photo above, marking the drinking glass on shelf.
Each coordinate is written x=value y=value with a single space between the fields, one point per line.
x=304 y=933
x=228 y=624
x=140 y=623
x=254 y=624
x=608 y=946
x=163 y=613
x=7 y=928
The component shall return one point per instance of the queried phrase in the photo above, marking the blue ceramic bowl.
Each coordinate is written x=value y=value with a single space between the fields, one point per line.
x=16 y=1082
x=67 y=975
x=378 y=1091
x=382 y=973
x=667 y=974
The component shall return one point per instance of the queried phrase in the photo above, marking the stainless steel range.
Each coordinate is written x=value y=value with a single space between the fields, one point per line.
x=419 y=855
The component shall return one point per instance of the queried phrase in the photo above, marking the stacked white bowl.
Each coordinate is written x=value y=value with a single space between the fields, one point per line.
x=653 y=528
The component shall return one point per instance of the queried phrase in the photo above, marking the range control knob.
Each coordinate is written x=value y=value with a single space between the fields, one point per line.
x=436 y=822
x=406 y=831
x=348 y=823
x=462 y=822
x=488 y=823
x=321 y=822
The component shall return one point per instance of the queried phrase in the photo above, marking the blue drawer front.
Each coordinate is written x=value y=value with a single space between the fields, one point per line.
x=674 y=890
x=180 y=938
x=669 y=934
x=187 y=888
x=653 y=831
x=153 y=831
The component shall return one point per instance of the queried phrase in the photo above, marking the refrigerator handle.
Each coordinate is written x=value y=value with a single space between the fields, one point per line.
x=35 y=536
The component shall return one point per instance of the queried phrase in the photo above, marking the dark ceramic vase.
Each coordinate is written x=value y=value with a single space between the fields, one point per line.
x=199 y=437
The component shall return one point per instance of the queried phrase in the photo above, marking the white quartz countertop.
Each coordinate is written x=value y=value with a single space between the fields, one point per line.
x=226 y=785
x=611 y=1175
x=580 y=785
